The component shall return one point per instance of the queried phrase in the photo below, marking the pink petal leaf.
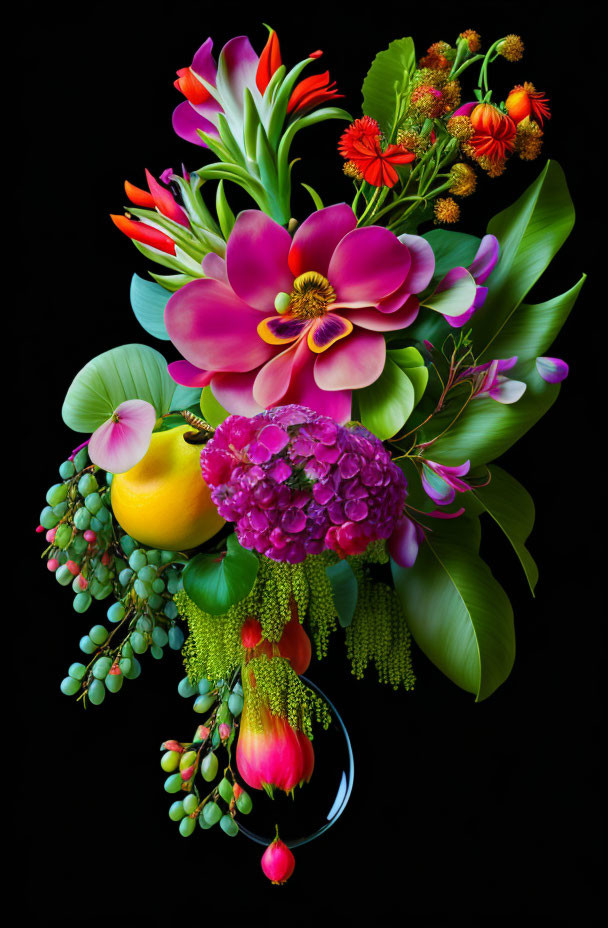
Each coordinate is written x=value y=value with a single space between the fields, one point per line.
x=121 y=442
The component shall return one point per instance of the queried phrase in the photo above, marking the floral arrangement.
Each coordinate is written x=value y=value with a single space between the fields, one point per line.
x=317 y=460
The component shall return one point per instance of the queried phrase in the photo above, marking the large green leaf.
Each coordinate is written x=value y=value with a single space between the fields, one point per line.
x=148 y=301
x=392 y=66
x=530 y=233
x=486 y=429
x=451 y=249
x=411 y=363
x=455 y=299
x=216 y=583
x=345 y=590
x=457 y=612
x=512 y=508
x=531 y=330
x=386 y=405
x=213 y=412
x=128 y=372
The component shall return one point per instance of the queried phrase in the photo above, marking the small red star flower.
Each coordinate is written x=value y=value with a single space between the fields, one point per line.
x=376 y=164
x=310 y=92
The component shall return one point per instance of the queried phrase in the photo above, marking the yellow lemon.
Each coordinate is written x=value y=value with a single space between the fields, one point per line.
x=163 y=501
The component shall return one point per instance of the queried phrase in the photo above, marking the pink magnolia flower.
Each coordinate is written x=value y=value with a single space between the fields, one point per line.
x=302 y=321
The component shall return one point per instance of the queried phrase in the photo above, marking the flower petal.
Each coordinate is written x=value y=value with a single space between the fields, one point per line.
x=377 y=321
x=305 y=391
x=121 y=442
x=553 y=370
x=214 y=329
x=257 y=259
x=352 y=364
x=327 y=330
x=281 y=330
x=274 y=378
x=486 y=258
x=186 y=121
x=369 y=264
x=188 y=375
x=235 y=392
x=203 y=63
x=215 y=267
x=440 y=491
x=404 y=543
x=507 y=391
x=318 y=237
x=423 y=262
x=237 y=68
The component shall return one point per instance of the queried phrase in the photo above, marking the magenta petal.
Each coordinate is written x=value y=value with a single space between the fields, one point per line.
x=368 y=264
x=553 y=370
x=235 y=392
x=214 y=329
x=256 y=259
x=507 y=391
x=188 y=375
x=121 y=442
x=351 y=364
x=422 y=267
x=485 y=260
x=215 y=267
x=274 y=378
x=465 y=110
x=304 y=390
x=317 y=238
x=385 y=322
x=237 y=67
x=186 y=122
x=404 y=543
x=203 y=63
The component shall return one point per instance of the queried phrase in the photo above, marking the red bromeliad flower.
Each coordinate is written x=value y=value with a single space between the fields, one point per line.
x=140 y=232
x=494 y=132
x=525 y=101
x=377 y=165
x=308 y=93
x=159 y=198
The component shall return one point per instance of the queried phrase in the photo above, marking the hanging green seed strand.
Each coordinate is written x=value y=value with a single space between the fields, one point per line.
x=379 y=633
x=274 y=685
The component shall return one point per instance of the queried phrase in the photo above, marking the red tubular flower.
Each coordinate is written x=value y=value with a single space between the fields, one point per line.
x=278 y=862
x=312 y=91
x=139 y=197
x=527 y=101
x=165 y=202
x=358 y=131
x=376 y=165
x=270 y=61
x=147 y=235
x=275 y=756
x=494 y=133
x=193 y=90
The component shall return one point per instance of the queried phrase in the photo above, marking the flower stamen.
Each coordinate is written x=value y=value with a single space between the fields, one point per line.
x=311 y=295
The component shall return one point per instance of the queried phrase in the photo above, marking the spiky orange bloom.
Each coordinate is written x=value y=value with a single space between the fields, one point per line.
x=446 y=210
x=376 y=165
x=360 y=129
x=147 y=235
x=511 y=48
x=437 y=56
x=193 y=90
x=525 y=100
x=494 y=134
x=473 y=39
x=270 y=61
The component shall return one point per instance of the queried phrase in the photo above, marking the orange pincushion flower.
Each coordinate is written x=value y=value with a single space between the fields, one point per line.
x=376 y=165
x=436 y=56
x=494 y=134
x=446 y=210
x=525 y=101
x=358 y=131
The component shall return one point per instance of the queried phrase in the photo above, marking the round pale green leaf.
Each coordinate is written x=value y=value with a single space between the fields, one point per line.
x=386 y=405
x=456 y=299
x=216 y=583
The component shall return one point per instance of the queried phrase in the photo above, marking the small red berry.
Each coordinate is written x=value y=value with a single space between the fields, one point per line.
x=52 y=564
x=73 y=568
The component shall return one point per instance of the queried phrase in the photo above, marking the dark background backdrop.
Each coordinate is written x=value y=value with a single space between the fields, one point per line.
x=484 y=812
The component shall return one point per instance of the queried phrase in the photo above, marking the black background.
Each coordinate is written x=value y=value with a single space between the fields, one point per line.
x=460 y=810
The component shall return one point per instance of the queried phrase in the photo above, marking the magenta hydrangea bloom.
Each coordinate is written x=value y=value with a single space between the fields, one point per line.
x=295 y=483
x=302 y=321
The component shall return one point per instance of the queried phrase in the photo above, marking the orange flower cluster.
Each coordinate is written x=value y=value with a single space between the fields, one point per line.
x=367 y=158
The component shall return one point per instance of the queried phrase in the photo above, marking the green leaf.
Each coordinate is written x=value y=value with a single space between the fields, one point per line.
x=512 y=508
x=315 y=196
x=386 y=405
x=212 y=411
x=455 y=300
x=216 y=583
x=148 y=301
x=392 y=66
x=486 y=429
x=412 y=363
x=530 y=232
x=451 y=249
x=224 y=213
x=126 y=373
x=172 y=282
x=185 y=397
x=457 y=612
x=345 y=590
x=531 y=330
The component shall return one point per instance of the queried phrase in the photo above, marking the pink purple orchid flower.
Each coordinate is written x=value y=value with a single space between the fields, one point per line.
x=552 y=370
x=480 y=269
x=441 y=482
x=490 y=379
x=301 y=321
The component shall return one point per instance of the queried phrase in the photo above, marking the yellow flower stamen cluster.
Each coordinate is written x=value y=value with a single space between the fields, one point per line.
x=464 y=179
x=511 y=48
x=351 y=170
x=311 y=295
x=379 y=634
x=528 y=140
x=492 y=168
x=473 y=39
x=446 y=210
x=413 y=141
x=273 y=684
x=461 y=128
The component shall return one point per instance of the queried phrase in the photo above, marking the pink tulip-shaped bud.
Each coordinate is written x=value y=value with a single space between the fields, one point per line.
x=271 y=754
x=277 y=861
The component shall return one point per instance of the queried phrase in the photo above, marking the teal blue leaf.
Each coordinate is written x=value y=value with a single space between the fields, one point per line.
x=345 y=590
x=185 y=397
x=216 y=583
x=148 y=301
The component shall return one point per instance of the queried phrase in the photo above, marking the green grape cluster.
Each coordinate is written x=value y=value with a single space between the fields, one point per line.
x=193 y=767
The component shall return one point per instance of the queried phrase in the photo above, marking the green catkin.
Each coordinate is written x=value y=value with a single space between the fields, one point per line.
x=379 y=633
x=213 y=648
x=273 y=683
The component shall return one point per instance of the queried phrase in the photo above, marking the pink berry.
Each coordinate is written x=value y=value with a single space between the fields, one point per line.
x=52 y=564
x=50 y=535
x=40 y=529
x=90 y=535
x=73 y=568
